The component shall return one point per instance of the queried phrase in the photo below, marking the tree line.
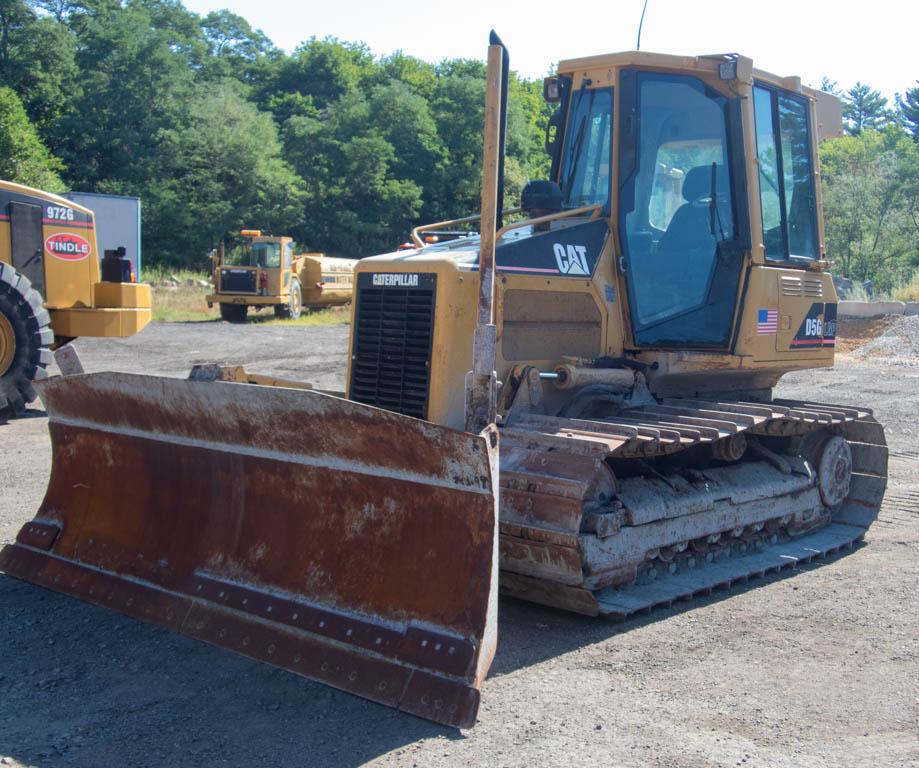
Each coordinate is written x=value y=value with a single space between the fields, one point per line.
x=217 y=129
x=871 y=187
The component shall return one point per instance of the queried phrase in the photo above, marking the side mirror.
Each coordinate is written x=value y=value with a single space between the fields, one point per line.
x=551 y=90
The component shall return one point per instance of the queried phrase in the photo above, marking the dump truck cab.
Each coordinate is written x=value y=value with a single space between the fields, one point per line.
x=681 y=230
x=256 y=270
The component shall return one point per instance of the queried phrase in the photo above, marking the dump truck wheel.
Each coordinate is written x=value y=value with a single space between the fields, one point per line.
x=234 y=313
x=294 y=306
x=25 y=340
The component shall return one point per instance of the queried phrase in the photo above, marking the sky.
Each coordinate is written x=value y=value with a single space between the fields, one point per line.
x=874 y=42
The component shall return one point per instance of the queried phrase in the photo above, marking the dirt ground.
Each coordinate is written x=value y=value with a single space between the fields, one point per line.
x=817 y=669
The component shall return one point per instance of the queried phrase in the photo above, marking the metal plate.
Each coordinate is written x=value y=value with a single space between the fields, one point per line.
x=348 y=544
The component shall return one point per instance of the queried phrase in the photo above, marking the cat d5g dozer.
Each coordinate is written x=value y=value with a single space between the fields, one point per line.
x=662 y=283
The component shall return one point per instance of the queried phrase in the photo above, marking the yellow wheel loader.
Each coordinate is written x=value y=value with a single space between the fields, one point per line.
x=580 y=398
x=51 y=289
x=265 y=271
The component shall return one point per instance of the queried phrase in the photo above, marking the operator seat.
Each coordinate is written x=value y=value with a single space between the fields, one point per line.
x=690 y=228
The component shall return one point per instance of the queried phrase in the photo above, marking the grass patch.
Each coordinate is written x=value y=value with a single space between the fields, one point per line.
x=178 y=295
x=330 y=316
x=908 y=291
x=159 y=274
x=184 y=303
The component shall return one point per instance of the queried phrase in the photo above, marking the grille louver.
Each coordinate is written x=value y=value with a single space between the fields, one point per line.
x=394 y=331
x=237 y=280
x=795 y=286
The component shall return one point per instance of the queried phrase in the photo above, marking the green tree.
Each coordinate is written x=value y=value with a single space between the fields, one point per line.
x=225 y=171
x=23 y=157
x=418 y=75
x=137 y=64
x=870 y=200
x=359 y=200
x=458 y=111
x=908 y=107
x=317 y=74
x=37 y=60
x=236 y=50
x=863 y=108
x=830 y=86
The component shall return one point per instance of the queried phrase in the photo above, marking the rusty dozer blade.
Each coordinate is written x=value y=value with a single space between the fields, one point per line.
x=347 y=544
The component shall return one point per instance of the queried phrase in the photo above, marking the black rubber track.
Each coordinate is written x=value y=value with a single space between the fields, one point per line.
x=22 y=306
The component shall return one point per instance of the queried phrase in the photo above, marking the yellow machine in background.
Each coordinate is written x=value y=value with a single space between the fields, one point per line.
x=608 y=363
x=51 y=288
x=265 y=271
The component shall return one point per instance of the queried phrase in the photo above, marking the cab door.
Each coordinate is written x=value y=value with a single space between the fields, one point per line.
x=682 y=209
x=287 y=251
x=27 y=243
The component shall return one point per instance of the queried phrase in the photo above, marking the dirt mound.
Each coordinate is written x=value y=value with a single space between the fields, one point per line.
x=894 y=336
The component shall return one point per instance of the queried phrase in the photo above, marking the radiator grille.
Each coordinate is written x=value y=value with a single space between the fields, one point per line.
x=393 y=335
x=813 y=288
x=791 y=286
x=237 y=280
x=795 y=286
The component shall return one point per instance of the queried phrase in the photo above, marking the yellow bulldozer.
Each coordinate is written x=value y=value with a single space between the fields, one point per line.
x=266 y=271
x=52 y=289
x=574 y=406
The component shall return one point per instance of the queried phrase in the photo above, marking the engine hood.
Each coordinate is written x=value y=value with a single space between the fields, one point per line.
x=570 y=248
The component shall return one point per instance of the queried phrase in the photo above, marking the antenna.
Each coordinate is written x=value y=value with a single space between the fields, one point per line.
x=641 y=21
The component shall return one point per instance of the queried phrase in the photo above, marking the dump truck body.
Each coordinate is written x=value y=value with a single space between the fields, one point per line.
x=52 y=287
x=624 y=337
x=265 y=271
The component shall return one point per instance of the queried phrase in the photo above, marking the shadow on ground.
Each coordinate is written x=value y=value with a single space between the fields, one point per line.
x=32 y=412
x=81 y=686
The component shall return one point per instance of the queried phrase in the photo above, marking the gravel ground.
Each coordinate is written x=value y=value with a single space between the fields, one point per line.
x=820 y=669
x=898 y=341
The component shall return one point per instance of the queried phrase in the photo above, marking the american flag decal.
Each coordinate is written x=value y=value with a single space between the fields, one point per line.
x=767 y=322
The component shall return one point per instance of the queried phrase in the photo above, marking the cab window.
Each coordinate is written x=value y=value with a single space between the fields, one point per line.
x=267 y=255
x=674 y=160
x=585 y=174
x=678 y=209
x=786 y=175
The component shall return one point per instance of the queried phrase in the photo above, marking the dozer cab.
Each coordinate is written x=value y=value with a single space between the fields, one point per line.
x=54 y=287
x=621 y=337
x=265 y=271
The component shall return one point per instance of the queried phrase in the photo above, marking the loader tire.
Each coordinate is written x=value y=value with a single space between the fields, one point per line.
x=294 y=306
x=25 y=341
x=234 y=313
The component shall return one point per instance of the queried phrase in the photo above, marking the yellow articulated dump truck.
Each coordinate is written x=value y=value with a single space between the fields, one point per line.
x=52 y=289
x=265 y=271
x=574 y=407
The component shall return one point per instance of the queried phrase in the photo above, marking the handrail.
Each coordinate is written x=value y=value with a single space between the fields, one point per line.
x=441 y=224
x=501 y=232
x=549 y=217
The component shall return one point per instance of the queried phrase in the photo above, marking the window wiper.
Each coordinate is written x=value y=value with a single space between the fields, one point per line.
x=714 y=215
x=575 y=153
